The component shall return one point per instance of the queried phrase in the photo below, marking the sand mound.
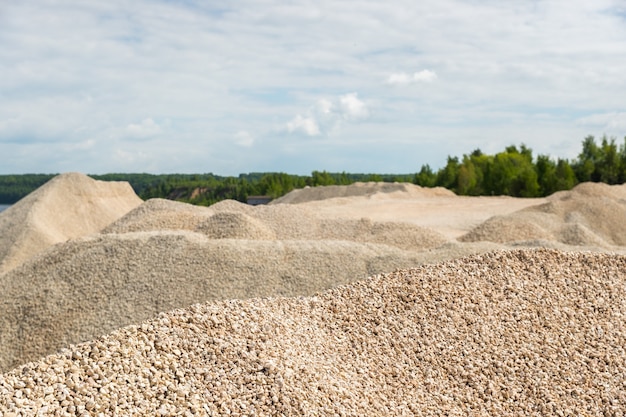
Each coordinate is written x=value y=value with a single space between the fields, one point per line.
x=235 y=226
x=84 y=288
x=68 y=206
x=510 y=333
x=401 y=235
x=591 y=214
x=160 y=214
x=358 y=189
x=235 y=220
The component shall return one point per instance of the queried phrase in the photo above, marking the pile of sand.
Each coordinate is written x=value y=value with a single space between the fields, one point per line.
x=591 y=214
x=359 y=189
x=509 y=333
x=84 y=288
x=235 y=220
x=163 y=255
x=160 y=214
x=68 y=206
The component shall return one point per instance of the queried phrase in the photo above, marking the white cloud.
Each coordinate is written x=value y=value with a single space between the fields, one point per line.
x=326 y=115
x=352 y=108
x=145 y=129
x=324 y=106
x=307 y=125
x=115 y=71
x=609 y=121
x=244 y=138
x=423 y=76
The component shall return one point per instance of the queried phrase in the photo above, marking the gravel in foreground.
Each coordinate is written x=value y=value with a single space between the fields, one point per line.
x=529 y=332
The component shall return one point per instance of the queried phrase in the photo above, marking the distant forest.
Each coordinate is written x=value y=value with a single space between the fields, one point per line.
x=514 y=172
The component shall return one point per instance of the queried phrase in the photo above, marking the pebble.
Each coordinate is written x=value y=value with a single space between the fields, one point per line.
x=464 y=337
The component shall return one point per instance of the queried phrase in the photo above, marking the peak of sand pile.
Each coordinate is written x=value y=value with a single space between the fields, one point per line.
x=591 y=214
x=66 y=207
x=234 y=220
x=508 y=333
x=87 y=287
x=358 y=189
x=160 y=214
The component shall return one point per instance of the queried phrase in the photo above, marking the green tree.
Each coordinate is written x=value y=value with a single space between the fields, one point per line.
x=425 y=177
x=608 y=167
x=546 y=175
x=622 y=162
x=565 y=176
x=448 y=176
x=321 y=178
x=514 y=174
x=467 y=181
x=585 y=165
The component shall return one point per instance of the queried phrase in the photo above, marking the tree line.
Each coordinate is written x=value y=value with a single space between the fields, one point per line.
x=514 y=172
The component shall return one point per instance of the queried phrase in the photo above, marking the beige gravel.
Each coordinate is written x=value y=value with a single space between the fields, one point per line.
x=436 y=209
x=360 y=189
x=68 y=206
x=511 y=333
x=85 y=288
x=500 y=333
x=590 y=214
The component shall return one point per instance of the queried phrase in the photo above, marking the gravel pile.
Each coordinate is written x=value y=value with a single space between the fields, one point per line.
x=358 y=189
x=160 y=214
x=85 y=288
x=508 y=333
x=234 y=220
x=66 y=207
x=591 y=214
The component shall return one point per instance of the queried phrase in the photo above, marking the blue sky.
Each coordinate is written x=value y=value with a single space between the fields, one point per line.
x=263 y=85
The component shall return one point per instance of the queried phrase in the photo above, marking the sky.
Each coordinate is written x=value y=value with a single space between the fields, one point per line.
x=186 y=86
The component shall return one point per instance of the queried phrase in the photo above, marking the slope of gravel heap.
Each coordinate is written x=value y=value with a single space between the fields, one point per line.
x=357 y=189
x=506 y=333
x=234 y=220
x=160 y=214
x=68 y=206
x=591 y=214
x=84 y=288
x=401 y=235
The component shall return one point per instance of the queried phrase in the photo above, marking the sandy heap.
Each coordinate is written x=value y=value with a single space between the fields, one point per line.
x=508 y=333
x=359 y=189
x=164 y=255
x=82 y=289
x=235 y=220
x=591 y=214
x=66 y=207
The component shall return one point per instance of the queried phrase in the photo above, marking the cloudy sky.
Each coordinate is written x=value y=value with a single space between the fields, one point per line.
x=188 y=86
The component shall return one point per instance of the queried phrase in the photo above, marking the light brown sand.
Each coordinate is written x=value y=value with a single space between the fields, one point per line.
x=436 y=209
x=590 y=214
x=508 y=334
x=85 y=288
x=69 y=206
x=164 y=255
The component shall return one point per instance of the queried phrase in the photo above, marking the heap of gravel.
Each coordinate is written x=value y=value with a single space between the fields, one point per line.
x=160 y=214
x=85 y=288
x=591 y=214
x=66 y=207
x=358 y=189
x=235 y=220
x=507 y=333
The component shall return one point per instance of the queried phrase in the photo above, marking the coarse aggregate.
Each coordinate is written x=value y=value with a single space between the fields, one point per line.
x=508 y=333
x=358 y=189
x=66 y=207
x=591 y=214
x=85 y=288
